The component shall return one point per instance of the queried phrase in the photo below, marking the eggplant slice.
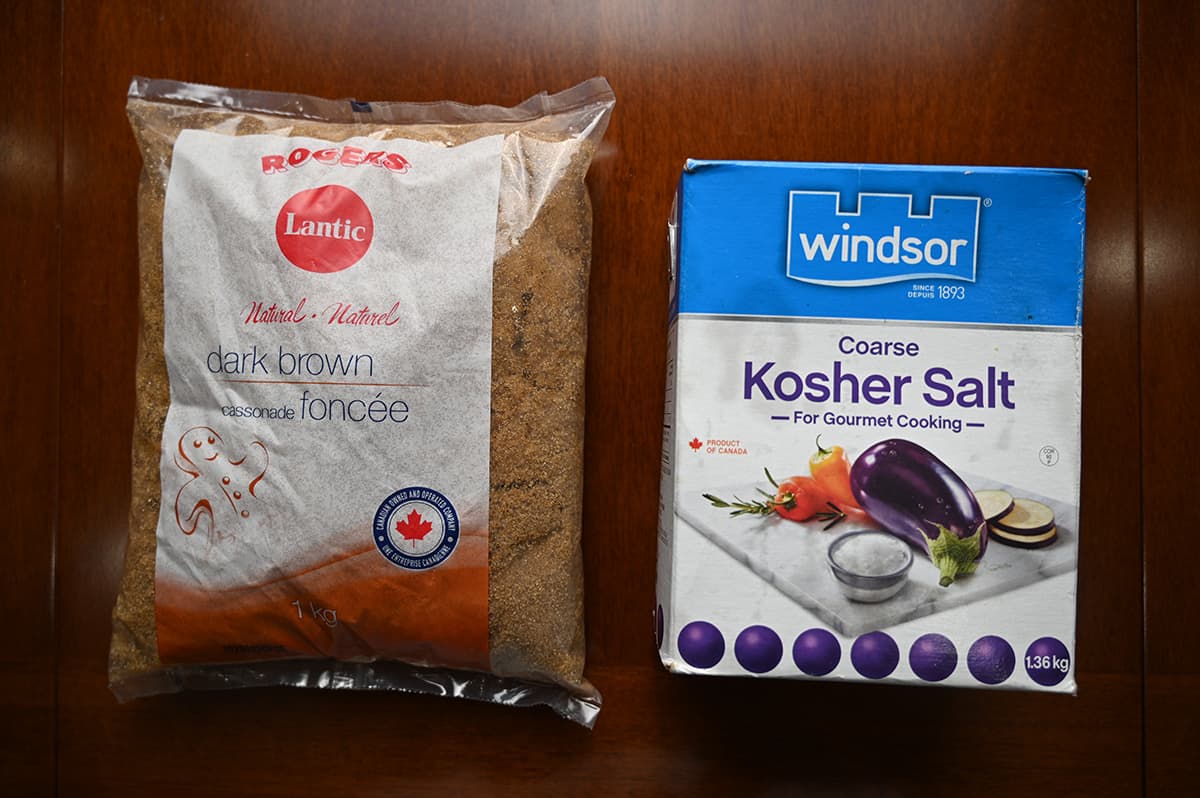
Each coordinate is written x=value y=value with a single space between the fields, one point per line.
x=1023 y=541
x=994 y=503
x=1026 y=518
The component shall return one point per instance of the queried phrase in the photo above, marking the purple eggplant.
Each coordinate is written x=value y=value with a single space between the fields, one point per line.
x=916 y=497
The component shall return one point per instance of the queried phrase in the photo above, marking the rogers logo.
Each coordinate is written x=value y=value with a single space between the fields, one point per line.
x=324 y=229
x=345 y=156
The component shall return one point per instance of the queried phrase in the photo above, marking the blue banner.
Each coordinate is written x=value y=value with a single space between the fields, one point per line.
x=985 y=245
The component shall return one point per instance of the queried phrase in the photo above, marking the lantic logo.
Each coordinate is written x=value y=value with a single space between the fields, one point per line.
x=324 y=229
x=882 y=240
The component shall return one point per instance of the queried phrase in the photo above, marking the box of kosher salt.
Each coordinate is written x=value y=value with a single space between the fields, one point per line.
x=871 y=455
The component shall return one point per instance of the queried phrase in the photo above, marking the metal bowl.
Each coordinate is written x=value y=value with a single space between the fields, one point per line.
x=867 y=588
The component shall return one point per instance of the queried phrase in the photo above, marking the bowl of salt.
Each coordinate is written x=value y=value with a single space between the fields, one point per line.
x=869 y=565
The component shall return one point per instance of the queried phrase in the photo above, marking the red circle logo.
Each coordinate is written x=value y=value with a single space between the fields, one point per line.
x=324 y=229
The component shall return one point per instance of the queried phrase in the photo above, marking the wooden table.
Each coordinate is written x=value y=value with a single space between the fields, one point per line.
x=1108 y=86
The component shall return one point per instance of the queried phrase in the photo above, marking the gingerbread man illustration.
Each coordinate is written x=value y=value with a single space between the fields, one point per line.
x=221 y=491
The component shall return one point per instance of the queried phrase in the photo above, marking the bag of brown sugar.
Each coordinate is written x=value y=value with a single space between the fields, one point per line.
x=357 y=452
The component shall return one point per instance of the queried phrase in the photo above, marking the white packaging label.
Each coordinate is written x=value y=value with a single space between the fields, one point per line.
x=327 y=311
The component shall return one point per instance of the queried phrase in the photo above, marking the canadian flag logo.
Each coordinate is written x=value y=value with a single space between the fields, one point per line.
x=413 y=526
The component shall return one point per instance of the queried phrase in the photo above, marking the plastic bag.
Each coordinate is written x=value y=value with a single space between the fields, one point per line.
x=357 y=452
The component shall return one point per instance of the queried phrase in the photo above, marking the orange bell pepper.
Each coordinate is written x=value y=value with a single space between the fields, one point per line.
x=830 y=468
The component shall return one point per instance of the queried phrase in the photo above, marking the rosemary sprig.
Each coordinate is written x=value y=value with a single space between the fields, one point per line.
x=834 y=516
x=743 y=507
x=831 y=517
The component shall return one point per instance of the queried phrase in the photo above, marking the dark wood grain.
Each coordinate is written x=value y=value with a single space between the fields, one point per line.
x=29 y=382
x=1170 y=198
x=995 y=83
x=659 y=735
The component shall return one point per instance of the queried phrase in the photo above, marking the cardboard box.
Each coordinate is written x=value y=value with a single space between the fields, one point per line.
x=924 y=323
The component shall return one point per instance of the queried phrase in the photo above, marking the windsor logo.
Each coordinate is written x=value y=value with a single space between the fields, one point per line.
x=882 y=240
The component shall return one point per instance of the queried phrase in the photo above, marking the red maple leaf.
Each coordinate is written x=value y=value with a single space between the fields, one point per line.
x=695 y=443
x=413 y=527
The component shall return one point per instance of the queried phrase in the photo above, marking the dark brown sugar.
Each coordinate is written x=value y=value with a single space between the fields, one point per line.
x=539 y=324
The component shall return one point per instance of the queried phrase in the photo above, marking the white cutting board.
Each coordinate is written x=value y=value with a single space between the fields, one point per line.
x=792 y=557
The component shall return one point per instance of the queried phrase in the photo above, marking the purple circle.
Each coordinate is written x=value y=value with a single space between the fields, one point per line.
x=1047 y=661
x=816 y=652
x=658 y=626
x=991 y=659
x=701 y=644
x=932 y=657
x=758 y=649
x=875 y=655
